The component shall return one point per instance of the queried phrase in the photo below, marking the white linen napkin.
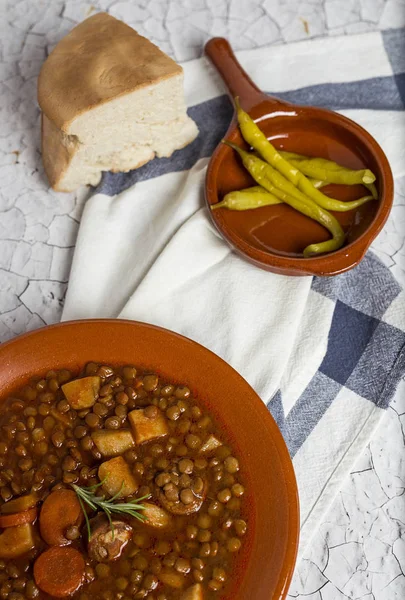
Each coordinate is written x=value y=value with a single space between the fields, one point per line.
x=150 y=253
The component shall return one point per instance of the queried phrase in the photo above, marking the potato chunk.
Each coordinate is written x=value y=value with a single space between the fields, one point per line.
x=172 y=578
x=118 y=478
x=156 y=516
x=148 y=423
x=210 y=445
x=20 y=504
x=113 y=443
x=195 y=592
x=15 y=541
x=82 y=393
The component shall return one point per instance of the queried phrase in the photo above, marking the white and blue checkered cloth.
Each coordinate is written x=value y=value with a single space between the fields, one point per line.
x=325 y=355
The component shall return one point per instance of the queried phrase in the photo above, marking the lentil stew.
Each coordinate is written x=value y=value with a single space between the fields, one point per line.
x=124 y=435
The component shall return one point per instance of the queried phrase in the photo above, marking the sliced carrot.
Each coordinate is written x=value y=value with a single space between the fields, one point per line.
x=59 y=571
x=60 y=510
x=28 y=516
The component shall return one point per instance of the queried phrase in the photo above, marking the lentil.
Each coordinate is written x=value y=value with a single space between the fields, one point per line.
x=214 y=585
x=204 y=521
x=92 y=420
x=162 y=547
x=112 y=423
x=63 y=406
x=231 y=464
x=240 y=527
x=205 y=550
x=121 y=412
x=186 y=496
x=150 y=382
x=198 y=576
x=224 y=495
x=80 y=431
x=57 y=439
x=204 y=535
x=140 y=563
x=31 y=590
x=215 y=509
x=182 y=565
x=72 y=533
x=121 y=583
x=173 y=413
x=129 y=372
x=234 y=544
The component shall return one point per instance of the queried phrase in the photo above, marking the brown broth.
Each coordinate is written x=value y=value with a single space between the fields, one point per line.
x=34 y=437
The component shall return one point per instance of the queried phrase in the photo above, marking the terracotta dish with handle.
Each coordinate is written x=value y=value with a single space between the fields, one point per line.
x=267 y=561
x=273 y=237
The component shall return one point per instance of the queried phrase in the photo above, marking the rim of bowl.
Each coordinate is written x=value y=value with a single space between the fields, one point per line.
x=279 y=446
x=331 y=263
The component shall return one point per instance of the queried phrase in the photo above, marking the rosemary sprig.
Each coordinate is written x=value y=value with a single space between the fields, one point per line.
x=87 y=496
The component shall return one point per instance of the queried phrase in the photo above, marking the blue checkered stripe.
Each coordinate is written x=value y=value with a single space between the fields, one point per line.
x=394 y=43
x=365 y=354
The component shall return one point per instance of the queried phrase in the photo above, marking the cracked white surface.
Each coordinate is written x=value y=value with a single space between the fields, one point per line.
x=359 y=550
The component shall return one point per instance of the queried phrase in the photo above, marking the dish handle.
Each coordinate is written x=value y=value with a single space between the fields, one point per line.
x=235 y=77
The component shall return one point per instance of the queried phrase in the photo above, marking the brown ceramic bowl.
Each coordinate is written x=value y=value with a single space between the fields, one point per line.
x=273 y=237
x=268 y=558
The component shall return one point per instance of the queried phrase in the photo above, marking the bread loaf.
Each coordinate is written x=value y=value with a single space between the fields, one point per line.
x=110 y=101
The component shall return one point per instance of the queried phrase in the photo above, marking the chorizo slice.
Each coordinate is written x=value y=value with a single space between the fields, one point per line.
x=104 y=544
x=182 y=503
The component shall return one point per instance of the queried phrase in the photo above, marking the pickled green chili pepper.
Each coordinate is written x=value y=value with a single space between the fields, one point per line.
x=276 y=179
x=253 y=197
x=327 y=170
x=301 y=162
x=256 y=138
x=259 y=170
x=319 y=168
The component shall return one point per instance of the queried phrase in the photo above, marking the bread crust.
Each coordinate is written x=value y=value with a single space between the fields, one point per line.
x=101 y=59
x=57 y=151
